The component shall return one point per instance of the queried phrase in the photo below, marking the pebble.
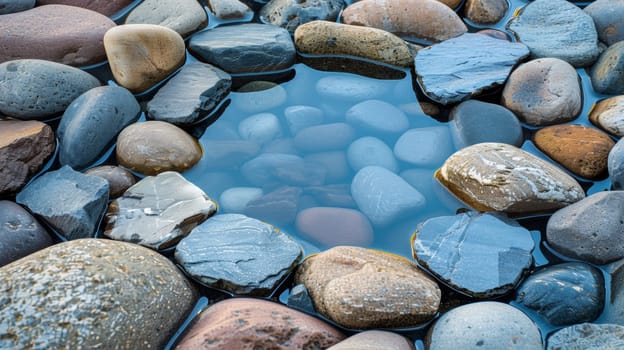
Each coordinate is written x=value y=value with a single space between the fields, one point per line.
x=194 y=92
x=107 y=8
x=153 y=147
x=119 y=179
x=260 y=128
x=485 y=12
x=13 y=6
x=92 y=293
x=587 y=336
x=500 y=177
x=20 y=233
x=334 y=164
x=289 y=14
x=544 y=91
x=608 y=114
x=351 y=89
x=228 y=154
x=228 y=9
x=279 y=168
x=424 y=147
x=606 y=75
x=325 y=137
x=377 y=117
x=141 y=55
x=278 y=207
x=25 y=147
x=615 y=165
x=183 y=16
x=300 y=117
x=361 y=288
x=374 y=340
x=370 y=150
x=466 y=66
x=589 y=230
x=334 y=226
x=235 y=199
x=564 y=294
x=38 y=89
x=608 y=16
x=244 y=322
x=256 y=101
x=336 y=195
x=238 y=254
x=43 y=33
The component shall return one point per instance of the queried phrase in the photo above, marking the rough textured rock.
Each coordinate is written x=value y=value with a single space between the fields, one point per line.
x=119 y=179
x=607 y=75
x=13 y=6
x=20 y=233
x=460 y=68
x=485 y=11
x=228 y=9
x=500 y=177
x=608 y=114
x=43 y=33
x=334 y=226
x=615 y=165
x=587 y=336
x=92 y=293
x=242 y=322
x=289 y=14
x=363 y=288
x=374 y=340
x=608 y=16
x=107 y=8
x=183 y=16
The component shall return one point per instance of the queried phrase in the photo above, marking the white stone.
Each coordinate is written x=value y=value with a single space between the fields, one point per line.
x=426 y=147
x=370 y=150
x=378 y=117
x=300 y=117
x=235 y=199
x=351 y=88
x=259 y=101
x=260 y=128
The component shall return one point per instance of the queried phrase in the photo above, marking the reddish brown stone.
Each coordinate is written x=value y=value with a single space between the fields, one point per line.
x=119 y=179
x=335 y=226
x=105 y=7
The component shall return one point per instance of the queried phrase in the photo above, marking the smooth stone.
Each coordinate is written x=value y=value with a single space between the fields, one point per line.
x=194 y=92
x=564 y=294
x=278 y=168
x=325 y=137
x=289 y=14
x=183 y=16
x=335 y=195
x=495 y=33
x=370 y=150
x=486 y=325
x=374 y=340
x=608 y=114
x=480 y=254
x=20 y=233
x=557 y=29
x=330 y=38
x=334 y=226
x=299 y=298
x=498 y=177
x=465 y=66
x=473 y=122
x=606 y=75
x=350 y=89
x=614 y=310
x=38 y=89
x=361 y=288
x=43 y=33
x=608 y=16
x=243 y=322
x=334 y=164
x=141 y=55
x=587 y=336
x=260 y=128
x=228 y=9
x=25 y=147
x=239 y=254
x=615 y=165
x=423 y=180
x=300 y=117
x=260 y=100
x=107 y=8
x=245 y=48
x=425 y=147
x=71 y=202
x=235 y=199
x=590 y=229
x=582 y=150
x=383 y=196
x=13 y=6
x=485 y=12
x=228 y=154
x=153 y=147
x=119 y=179
x=281 y=145
x=92 y=293
x=92 y=122
x=278 y=207
x=377 y=117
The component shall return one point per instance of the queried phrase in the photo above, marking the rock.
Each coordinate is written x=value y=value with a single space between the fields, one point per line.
x=608 y=16
x=582 y=150
x=235 y=199
x=325 y=137
x=451 y=3
x=336 y=195
x=500 y=177
x=377 y=117
x=606 y=75
x=608 y=114
x=20 y=233
x=424 y=147
x=557 y=29
x=71 y=202
x=240 y=322
x=334 y=226
x=278 y=168
x=92 y=122
x=238 y=254
x=370 y=150
x=427 y=20
x=153 y=147
x=486 y=325
x=228 y=154
x=363 y=288
x=544 y=91
x=43 y=33
x=245 y=48
x=351 y=89
x=194 y=92
x=107 y=8
x=374 y=340
x=473 y=122
x=330 y=38
x=615 y=165
x=564 y=294
x=278 y=207
x=141 y=55
x=485 y=11
x=158 y=211
x=614 y=310
x=334 y=164
x=260 y=128
x=183 y=16
x=495 y=33
x=37 y=89
x=91 y=293
x=25 y=147
x=13 y=6
x=587 y=336
x=589 y=230
x=483 y=255
x=229 y=9
x=119 y=179
x=465 y=66
x=260 y=100
x=300 y=117
x=289 y=14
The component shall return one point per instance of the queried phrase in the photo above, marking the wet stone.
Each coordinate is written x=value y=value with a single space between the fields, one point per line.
x=91 y=293
x=377 y=117
x=107 y=8
x=426 y=147
x=374 y=340
x=235 y=199
x=334 y=226
x=587 y=336
x=614 y=310
x=608 y=114
x=260 y=128
x=608 y=16
x=325 y=137
x=71 y=202
x=183 y=16
x=256 y=101
x=289 y=14
x=20 y=233
x=228 y=154
x=455 y=70
x=615 y=165
x=119 y=179
x=275 y=168
x=228 y=9
x=334 y=164
x=606 y=75
x=278 y=207
x=300 y=117
x=238 y=254
x=350 y=88
x=370 y=150
x=335 y=195
x=13 y=6
x=485 y=11
x=564 y=294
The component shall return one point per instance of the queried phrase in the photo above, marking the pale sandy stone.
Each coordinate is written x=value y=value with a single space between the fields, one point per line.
x=608 y=114
x=183 y=16
x=374 y=340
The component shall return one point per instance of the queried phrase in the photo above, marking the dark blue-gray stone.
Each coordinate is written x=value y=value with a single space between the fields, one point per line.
x=279 y=168
x=299 y=298
x=71 y=202
x=608 y=16
x=290 y=14
x=463 y=67
x=482 y=255
x=20 y=233
x=245 y=48
x=607 y=74
x=614 y=310
x=190 y=95
x=278 y=207
x=238 y=254
x=13 y=6
x=335 y=195
x=92 y=122
x=587 y=336
x=564 y=294
x=615 y=164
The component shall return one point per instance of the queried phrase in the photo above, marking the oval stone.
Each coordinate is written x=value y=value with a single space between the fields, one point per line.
x=107 y=8
x=608 y=114
x=374 y=340
x=606 y=75
x=20 y=233
x=259 y=100
x=235 y=199
x=370 y=150
x=183 y=16
x=324 y=137
x=279 y=207
x=608 y=16
x=485 y=11
x=615 y=165
x=378 y=117
x=290 y=14
x=334 y=226
x=300 y=117
x=352 y=89
x=228 y=9
x=119 y=179
x=587 y=336
x=424 y=147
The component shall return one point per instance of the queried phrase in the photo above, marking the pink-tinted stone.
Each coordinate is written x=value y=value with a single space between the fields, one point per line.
x=335 y=226
x=105 y=7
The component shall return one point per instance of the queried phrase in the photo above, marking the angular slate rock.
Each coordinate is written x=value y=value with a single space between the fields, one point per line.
x=608 y=16
x=12 y=6
x=71 y=202
x=119 y=179
x=183 y=16
x=587 y=336
x=278 y=207
x=274 y=168
x=191 y=94
x=289 y=14
x=238 y=254
x=615 y=165
x=606 y=75
x=463 y=67
x=20 y=233
x=608 y=114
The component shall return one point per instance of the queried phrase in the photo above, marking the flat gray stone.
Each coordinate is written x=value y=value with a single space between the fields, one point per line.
x=587 y=336
x=20 y=233
x=289 y=14
x=607 y=74
x=183 y=16
x=12 y=6
x=608 y=16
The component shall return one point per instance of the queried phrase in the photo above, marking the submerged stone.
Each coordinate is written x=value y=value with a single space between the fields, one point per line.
x=334 y=226
x=278 y=207
x=13 y=6
x=424 y=147
x=378 y=117
x=228 y=154
x=280 y=168
x=370 y=150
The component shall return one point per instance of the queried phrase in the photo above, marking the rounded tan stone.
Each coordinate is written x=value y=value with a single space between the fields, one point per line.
x=485 y=11
x=374 y=340
x=428 y=20
x=608 y=114
x=141 y=55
